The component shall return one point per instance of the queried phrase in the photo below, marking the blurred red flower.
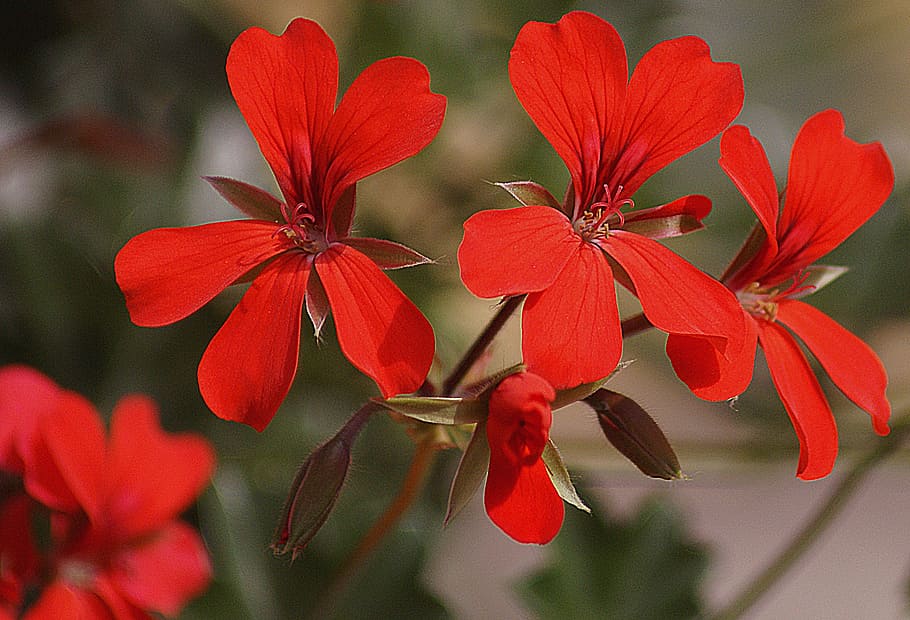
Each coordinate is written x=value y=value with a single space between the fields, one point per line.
x=613 y=133
x=117 y=548
x=819 y=209
x=298 y=249
x=519 y=496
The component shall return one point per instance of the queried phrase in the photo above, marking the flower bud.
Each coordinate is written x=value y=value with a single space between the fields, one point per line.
x=313 y=494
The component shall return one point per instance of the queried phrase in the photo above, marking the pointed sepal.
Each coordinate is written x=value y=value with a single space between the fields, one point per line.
x=470 y=473
x=387 y=254
x=437 y=409
x=560 y=477
x=530 y=193
x=255 y=202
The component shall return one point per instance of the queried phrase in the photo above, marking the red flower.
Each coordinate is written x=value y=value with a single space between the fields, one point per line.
x=118 y=549
x=519 y=496
x=612 y=133
x=299 y=249
x=818 y=210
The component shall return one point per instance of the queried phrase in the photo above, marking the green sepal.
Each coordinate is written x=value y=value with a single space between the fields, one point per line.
x=255 y=202
x=559 y=476
x=471 y=471
x=530 y=193
x=664 y=227
x=387 y=254
x=817 y=277
x=565 y=398
x=437 y=409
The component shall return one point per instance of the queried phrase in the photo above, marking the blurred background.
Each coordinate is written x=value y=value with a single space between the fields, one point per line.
x=111 y=110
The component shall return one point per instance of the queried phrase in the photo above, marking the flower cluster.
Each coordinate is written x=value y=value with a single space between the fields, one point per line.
x=115 y=547
x=560 y=258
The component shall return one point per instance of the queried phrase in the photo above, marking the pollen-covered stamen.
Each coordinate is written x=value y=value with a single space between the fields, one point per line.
x=301 y=228
x=762 y=301
x=595 y=222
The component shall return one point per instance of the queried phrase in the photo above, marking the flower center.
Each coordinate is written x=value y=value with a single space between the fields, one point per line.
x=596 y=220
x=762 y=301
x=301 y=228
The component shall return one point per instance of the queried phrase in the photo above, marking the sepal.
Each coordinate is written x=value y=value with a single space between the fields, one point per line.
x=387 y=254
x=530 y=193
x=560 y=477
x=255 y=202
x=470 y=473
x=438 y=409
x=816 y=277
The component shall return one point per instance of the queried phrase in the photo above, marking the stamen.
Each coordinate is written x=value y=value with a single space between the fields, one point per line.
x=593 y=222
x=301 y=228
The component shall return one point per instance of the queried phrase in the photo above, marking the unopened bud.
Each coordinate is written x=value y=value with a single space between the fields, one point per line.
x=316 y=488
x=635 y=434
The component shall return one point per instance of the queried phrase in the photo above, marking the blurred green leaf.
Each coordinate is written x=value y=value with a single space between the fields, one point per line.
x=471 y=471
x=644 y=568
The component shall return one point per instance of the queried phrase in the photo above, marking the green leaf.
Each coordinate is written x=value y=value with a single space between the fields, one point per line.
x=559 y=476
x=438 y=409
x=471 y=470
x=644 y=568
x=255 y=202
x=635 y=434
x=530 y=193
x=387 y=254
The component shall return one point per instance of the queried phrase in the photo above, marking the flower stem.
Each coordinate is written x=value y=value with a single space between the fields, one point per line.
x=817 y=524
x=410 y=488
x=481 y=343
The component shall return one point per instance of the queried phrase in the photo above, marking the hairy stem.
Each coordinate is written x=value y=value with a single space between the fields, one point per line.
x=410 y=488
x=481 y=343
x=817 y=524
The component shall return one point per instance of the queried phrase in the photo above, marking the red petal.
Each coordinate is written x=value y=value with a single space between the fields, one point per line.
x=380 y=331
x=26 y=396
x=143 y=493
x=571 y=79
x=387 y=115
x=712 y=374
x=803 y=399
x=675 y=296
x=515 y=251
x=522 y=501
x=249 y=366
x=570 y=331
x=65 y=466
x=851 y=364
x=63 y=602
x=678 y=99
x=167 y=274
x=745 y=162
x=163 y=574
x=834 y=186
x=285 y=88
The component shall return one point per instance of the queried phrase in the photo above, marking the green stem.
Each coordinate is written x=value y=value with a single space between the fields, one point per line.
x=815 y=526
x=481 y=343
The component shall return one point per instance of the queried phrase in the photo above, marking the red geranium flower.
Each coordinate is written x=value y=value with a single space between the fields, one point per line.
x=117 y=547
x=298 y=249
x=613 y=133
x=519 y=496
x=818 y=210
